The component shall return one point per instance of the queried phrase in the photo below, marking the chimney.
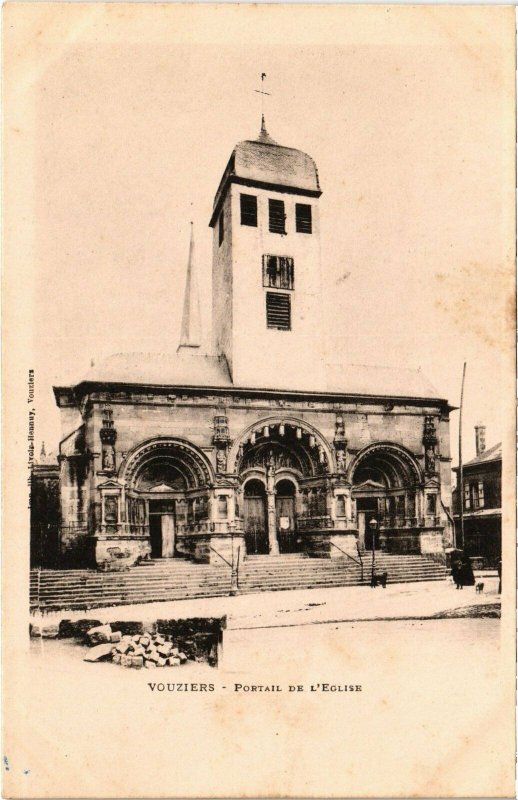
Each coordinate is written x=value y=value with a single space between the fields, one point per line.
x=480 y=438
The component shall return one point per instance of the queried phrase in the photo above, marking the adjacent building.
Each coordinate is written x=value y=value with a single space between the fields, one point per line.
x=261 y=444
x=482 y=498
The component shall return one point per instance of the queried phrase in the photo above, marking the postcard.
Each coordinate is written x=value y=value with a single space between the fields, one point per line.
x=258 y=318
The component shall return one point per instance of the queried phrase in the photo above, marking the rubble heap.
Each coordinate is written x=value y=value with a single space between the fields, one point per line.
x=140 y=650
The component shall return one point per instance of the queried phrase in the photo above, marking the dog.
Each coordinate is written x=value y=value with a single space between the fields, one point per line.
x=479 y=588
x=379 y=579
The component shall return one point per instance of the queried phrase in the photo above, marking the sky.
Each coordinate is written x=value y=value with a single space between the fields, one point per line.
x=407 y=112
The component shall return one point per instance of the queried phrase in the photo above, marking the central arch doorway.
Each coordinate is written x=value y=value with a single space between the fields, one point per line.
x=255 y=518
x=286 y=517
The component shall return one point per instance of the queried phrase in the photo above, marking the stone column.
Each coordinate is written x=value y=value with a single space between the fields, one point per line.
x=348 y=508
x=272 y=521
x=419 y=506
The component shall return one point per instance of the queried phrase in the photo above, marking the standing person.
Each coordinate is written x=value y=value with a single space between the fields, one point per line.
x=499 y=571
x=456 y=571
x=467 y=577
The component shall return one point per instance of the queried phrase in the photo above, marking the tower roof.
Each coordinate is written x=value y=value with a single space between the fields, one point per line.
x=263 y=163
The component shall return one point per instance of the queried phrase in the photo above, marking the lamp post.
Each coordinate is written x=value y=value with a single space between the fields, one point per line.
x=373 y=525
x=233 y=573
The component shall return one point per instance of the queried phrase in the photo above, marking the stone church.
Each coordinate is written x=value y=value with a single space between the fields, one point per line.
x=247 y=449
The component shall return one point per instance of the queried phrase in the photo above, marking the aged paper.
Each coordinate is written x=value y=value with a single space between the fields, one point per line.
x=119 y=121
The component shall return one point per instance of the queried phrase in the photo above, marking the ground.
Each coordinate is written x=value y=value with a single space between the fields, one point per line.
x=420 y=719
x=352 y=603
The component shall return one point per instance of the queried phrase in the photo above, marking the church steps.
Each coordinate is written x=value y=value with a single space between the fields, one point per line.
x=173 y=580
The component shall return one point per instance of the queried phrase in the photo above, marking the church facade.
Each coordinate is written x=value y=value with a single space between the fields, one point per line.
x=261 y=447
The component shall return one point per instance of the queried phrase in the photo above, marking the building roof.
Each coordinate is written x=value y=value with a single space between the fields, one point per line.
x=492 y=454
x=181 y=369
x=190 y=369
x=263 y=162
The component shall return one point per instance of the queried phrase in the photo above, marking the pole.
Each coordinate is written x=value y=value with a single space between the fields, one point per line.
x=460 y=490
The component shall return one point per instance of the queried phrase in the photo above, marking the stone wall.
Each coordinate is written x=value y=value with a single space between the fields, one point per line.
x=139 y=416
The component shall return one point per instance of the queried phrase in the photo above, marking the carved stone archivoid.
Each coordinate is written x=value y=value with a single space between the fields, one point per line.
x=108 y=436
x=430 y=442
x=340 y=444
x=221 y=431
x=221 y=441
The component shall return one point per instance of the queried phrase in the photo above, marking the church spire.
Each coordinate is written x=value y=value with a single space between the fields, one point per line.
x=190 y=334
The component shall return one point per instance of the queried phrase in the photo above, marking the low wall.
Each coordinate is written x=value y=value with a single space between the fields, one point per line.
x=330 y=543
x=114 y=554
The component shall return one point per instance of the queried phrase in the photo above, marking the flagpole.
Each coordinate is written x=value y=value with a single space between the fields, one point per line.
x=460 y=490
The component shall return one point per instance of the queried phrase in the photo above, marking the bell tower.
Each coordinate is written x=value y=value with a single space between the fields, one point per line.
x=266 y=279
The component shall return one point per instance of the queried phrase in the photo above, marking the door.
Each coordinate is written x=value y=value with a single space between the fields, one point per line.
x=285 y=517
x=162 y=528
x=155 y=535
x=367 y=509
x=255 y=522
x=167 y=525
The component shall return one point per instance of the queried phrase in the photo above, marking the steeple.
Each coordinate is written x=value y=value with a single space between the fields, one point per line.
x=190 y=334
x=264 y=136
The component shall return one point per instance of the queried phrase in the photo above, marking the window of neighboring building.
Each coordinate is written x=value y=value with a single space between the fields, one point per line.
x=278 y=272
x=278 y=311
x=221 y=227
x=277 y=217
x=248 y=210
x=303 y=222
x=492 y=494
x=476 y=494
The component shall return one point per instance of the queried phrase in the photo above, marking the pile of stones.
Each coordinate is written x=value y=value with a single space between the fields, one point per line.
x=193 y=639
x=140 y=650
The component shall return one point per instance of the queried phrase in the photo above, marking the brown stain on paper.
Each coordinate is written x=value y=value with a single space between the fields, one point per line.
x=464 y=299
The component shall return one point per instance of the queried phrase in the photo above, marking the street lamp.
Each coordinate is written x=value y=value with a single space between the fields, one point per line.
x=373 y=525
x=234 y=567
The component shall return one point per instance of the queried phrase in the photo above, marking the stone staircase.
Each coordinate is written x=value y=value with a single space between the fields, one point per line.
x=175 y=579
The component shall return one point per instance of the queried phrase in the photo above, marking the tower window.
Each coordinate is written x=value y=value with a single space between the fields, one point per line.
x=277 y=216
x=221 y=227
x=278 y=311
x=248 y=204
x=278 y=272
x=303 y=218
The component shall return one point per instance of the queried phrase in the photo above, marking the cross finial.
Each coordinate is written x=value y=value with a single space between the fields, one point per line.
x=262 y=92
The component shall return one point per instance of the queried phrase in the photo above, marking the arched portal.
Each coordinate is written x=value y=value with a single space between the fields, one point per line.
x=387 y=487
x=284 y=455
x=167 y=490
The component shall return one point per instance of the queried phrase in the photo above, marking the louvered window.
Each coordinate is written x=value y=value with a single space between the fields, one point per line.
x=303 y=222
x=278 y=311
x=278 y=272
x=248 y=204
x=276 y=216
